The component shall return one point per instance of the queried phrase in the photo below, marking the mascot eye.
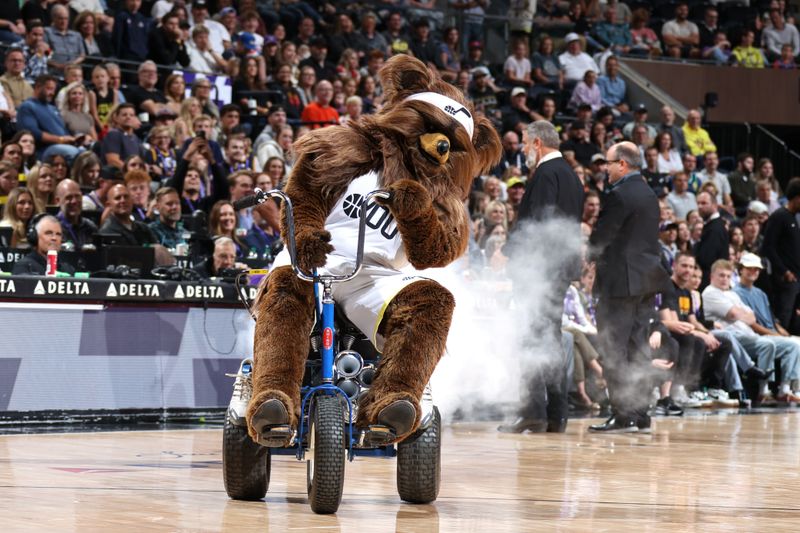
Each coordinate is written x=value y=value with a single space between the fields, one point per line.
x=436 y=146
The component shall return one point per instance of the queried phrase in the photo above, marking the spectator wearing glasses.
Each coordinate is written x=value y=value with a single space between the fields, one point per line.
x=14 y=83
x=629 y=274
x=201 y=89
x=66 y=44
x=145 y=96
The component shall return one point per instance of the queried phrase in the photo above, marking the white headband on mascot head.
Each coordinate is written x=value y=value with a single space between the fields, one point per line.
x=449 y=106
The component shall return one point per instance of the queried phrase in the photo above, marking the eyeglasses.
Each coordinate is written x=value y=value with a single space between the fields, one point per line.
x=614 y=161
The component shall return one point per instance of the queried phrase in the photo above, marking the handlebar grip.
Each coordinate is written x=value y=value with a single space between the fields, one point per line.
x=247 y=201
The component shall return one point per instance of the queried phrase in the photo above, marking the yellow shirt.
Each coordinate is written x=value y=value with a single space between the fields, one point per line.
x=698 y=141
x=750 y=57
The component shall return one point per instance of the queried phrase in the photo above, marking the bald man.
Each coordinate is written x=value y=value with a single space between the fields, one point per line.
x=76 y=229
x=319 y=113
x=120 y=222
x=629 y=275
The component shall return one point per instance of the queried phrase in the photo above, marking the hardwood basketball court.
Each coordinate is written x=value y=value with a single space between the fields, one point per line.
x=712 y=472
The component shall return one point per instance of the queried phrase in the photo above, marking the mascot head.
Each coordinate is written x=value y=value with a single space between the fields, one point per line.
x=428 y=131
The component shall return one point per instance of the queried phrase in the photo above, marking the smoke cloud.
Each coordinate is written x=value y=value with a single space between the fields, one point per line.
x=501 y=331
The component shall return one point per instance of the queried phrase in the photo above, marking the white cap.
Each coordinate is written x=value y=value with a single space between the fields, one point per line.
x=572 y=36
x=758 y=207
x=750 y=260
x=449 y=107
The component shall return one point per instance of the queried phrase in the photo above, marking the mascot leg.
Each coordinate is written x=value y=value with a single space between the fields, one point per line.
x=285 y=319
x=415 y=327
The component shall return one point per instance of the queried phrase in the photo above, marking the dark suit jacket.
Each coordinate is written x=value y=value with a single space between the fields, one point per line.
x=138 y=235
x=625 y=243
x=554 y=190
x=713 y=245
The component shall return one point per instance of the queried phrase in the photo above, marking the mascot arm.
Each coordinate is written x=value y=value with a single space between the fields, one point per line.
x=434 y=235
x=311 y=207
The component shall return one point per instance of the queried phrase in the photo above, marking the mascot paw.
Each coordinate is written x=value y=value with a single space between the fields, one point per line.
x=408 y=200
x=313 y=248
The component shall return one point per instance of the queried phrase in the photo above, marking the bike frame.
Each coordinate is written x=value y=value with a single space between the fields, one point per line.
x=325 y=315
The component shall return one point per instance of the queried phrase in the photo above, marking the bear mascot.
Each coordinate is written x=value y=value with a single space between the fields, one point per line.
x=424 y=147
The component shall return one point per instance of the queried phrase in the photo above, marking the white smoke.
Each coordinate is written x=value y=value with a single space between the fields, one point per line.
x=500 y=331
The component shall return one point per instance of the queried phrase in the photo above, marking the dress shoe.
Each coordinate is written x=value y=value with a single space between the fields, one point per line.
x=557 y=426
x=757 y=373
x=643 y=423
x=522 y=424
x=617 y=424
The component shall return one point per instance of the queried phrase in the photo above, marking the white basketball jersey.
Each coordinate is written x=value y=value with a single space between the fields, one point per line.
x=382 y=243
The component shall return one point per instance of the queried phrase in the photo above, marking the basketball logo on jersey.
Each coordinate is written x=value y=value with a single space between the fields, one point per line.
x=378 y=216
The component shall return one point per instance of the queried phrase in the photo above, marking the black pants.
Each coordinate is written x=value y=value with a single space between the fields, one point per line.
x=785 y=297
x=545 y=389
x=691 y=353
x=623 y=325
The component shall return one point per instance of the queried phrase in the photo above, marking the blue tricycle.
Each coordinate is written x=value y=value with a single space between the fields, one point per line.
x=340 y=367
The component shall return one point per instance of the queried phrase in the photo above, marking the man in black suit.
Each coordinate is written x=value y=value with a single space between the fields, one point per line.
x=629 y=274
x=782 y=248
x=553 y=193
x=714 y=241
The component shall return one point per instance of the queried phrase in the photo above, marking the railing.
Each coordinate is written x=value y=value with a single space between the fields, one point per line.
x=732 y=139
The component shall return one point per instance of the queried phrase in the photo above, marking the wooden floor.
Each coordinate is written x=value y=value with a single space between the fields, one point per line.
x=704 y=473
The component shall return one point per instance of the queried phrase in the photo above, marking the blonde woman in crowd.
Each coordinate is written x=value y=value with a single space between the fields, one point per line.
x=17 y=213
x=42 y=184
x=75 y=111
x=183 y=127
x=175 y=92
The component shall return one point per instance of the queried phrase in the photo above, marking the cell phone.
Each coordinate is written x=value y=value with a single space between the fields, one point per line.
x=201 y=134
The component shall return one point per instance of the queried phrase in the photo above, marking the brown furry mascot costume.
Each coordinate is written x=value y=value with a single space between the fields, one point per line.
x=425 y=147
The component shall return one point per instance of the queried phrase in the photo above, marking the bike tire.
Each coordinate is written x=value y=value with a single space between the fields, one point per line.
x=419 y=464
x=245 y=464
x=325 y=467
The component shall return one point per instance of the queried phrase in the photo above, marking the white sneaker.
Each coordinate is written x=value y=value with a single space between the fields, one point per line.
x=242 y=392
x=683 y=399
x=426 y=404
x=702 y=398
x=721 y=398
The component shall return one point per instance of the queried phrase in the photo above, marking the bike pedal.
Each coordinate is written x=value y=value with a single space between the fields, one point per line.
x=277 y=437
x=376 y=436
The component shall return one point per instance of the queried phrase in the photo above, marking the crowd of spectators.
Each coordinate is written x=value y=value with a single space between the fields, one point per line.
x=111 y=123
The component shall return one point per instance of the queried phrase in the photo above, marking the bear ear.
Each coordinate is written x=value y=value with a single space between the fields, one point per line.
x=487 y=144
x=403 y=76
